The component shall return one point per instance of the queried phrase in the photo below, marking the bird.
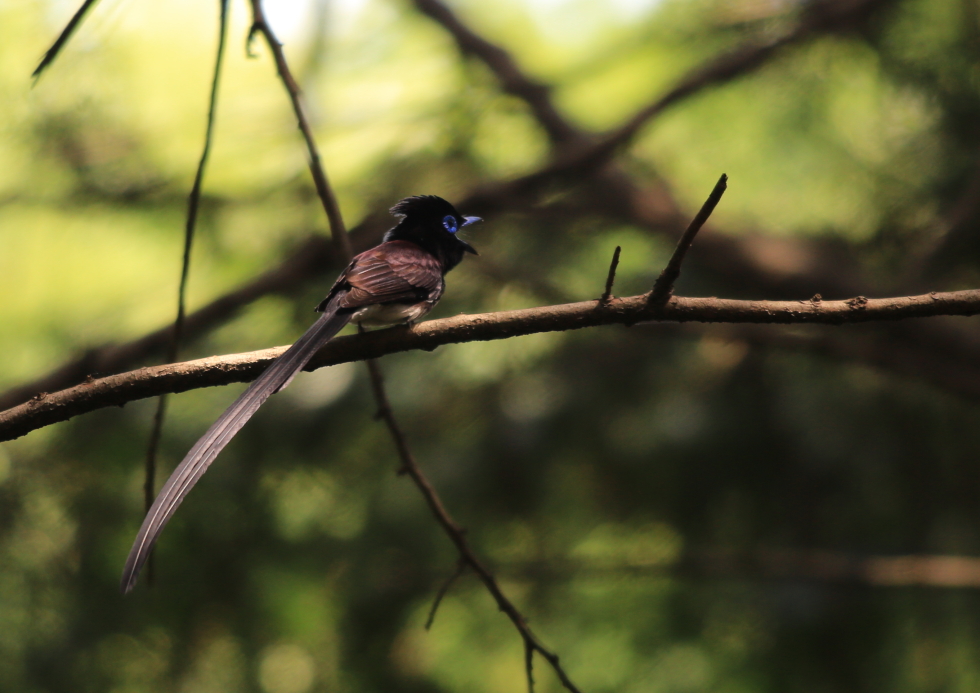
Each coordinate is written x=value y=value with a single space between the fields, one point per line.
x=396 y=282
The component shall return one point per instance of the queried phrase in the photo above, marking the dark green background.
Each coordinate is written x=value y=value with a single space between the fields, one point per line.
x=592 y=469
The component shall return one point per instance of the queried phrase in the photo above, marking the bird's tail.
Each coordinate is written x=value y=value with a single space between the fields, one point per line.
x=275 y=378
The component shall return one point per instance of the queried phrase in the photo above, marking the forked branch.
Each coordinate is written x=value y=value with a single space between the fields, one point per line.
x=458 y=535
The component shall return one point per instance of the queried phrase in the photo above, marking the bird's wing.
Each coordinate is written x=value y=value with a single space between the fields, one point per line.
x=391 y=272
x=200 y=457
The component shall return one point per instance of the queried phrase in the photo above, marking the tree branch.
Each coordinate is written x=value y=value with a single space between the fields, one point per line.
x=664 y=285
x=512 y=79
x=457 y=534
x=611 y=276
x=338 y=232
x=443 y=589
x=117 y=390
x=66 y=33
x=821 y=16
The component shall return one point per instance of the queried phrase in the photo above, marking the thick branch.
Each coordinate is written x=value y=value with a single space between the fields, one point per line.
x=221 y=370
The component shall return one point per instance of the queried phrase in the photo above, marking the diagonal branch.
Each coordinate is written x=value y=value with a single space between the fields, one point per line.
x=458 y=535
x=443 y=589
x=66 y=33
x=512 y=79
x=822 y=16
x=611 y=276
x=117 y=390
x=664 y=285
x=337 y=229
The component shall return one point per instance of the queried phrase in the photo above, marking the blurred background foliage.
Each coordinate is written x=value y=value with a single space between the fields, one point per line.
x=596 y=471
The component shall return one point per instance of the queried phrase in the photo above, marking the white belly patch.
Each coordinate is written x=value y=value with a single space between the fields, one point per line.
x=381 y=315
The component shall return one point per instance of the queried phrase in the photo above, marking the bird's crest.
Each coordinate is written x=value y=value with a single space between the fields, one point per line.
x=428 y=205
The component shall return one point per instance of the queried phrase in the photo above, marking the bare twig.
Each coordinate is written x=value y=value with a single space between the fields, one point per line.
x=337 y=229
x=664 y=285
x=611 y=277
x=456 y=533
x=119 y=389
x=385 y=414
x=529 y=665
x=62 y=39
x=443 y=589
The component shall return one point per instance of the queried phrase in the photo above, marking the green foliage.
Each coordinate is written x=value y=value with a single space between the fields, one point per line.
x=586 y=466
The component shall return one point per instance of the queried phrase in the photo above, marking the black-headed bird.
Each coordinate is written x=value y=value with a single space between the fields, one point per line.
x=396 y=282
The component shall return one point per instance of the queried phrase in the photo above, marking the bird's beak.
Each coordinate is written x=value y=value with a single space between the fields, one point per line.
x=466 y=246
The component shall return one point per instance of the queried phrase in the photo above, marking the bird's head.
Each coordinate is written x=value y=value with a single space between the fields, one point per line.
x=434 y=224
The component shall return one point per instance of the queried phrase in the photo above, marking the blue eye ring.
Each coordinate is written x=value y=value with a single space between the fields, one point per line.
x=450 y=224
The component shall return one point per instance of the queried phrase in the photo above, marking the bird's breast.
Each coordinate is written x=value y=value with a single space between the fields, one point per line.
x=385 y=314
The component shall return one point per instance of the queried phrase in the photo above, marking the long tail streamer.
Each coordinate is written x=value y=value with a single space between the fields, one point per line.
x=204 y=452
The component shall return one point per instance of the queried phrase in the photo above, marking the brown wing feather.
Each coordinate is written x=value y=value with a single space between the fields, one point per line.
x=391 y=272
x=418 y=267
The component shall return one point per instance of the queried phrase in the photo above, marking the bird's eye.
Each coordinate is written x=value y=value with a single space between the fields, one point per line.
x=449 y=221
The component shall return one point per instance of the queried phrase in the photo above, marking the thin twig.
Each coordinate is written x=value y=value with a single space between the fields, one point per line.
x=443 y=589
x=529 y=665
x=117 y=390
x=337 y=229
x=456 y=533
x=665 y=282
x=611 y=277
x=62 y=39
x=193 y=203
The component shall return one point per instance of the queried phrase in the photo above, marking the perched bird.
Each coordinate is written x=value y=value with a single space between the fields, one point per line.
x=398 y=281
